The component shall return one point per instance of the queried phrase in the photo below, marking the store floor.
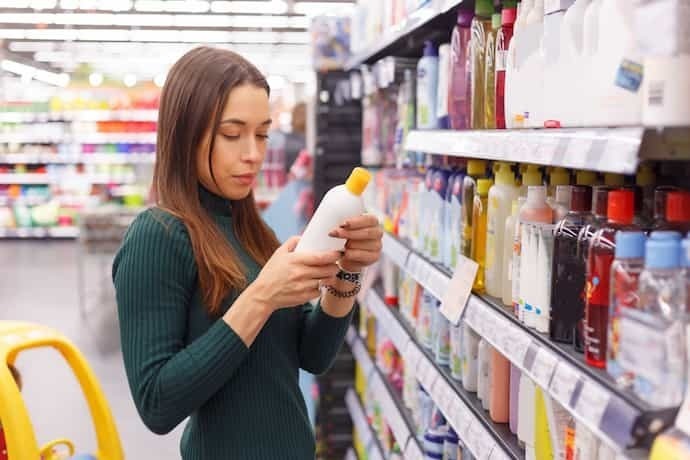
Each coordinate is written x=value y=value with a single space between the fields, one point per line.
x=38 y=283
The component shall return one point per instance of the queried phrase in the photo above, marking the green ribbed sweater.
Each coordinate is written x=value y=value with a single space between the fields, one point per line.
x=242 y=403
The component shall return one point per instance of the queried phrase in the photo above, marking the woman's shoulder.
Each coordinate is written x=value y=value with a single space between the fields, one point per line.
x=157 y=226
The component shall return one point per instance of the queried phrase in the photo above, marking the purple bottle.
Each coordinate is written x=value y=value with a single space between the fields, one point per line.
x=459 y=101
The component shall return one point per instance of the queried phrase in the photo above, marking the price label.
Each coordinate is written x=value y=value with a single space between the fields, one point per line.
x=486 y=444
x=592 y=402
x=578 y=147
x=459 y=289
x=472 y=438
x=520 y=343
x=426 y=373
x=437 y=283
x=563 y=383
x=543 y=368
x=412 y=266
x=445 y=394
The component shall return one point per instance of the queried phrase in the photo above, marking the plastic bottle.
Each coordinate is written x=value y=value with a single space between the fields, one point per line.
x=614 y=180
x=542 y=296
x=475 y=169
x=531 y=177
x=481 y=25
x=425 y=210
x=583 y=177
x=526 y=415
x=557 y=176
x=543 y=447
x=479 y=218
x=501 y=197
x=436 y=223
x=532 y=66
x=561 y=201
x=685 y=262
x=515 y=262
x=615 y=67
x=570 y=108
x=653 y=337
x=442 y=344
x=483 y=381
x=499 y=388
x=503 y=38
x=568 y=268
x=490 y=73
x=470 y=355
x=424 y=324
x=427 y=86
x=514 y=398
x=625 y=272
x=456 y=351
x=621 y=212
x=535 y=211
x=677 y=212
x=554 y=14
x=447 y=232
x=507 y=262
x=390 y=281
x=407 y=118
x=456 y=217
x=459 y=105
x=443 y=86
x=515 y=85
x=645 y=179
x=339 y=204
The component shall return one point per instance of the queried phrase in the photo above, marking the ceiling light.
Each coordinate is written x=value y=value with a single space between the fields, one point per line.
x=96 y=79
x=28 y=72
x=177 y=6
x=244 y=7
x=69 y=4
x=43 y=4
x=130 y=80
x=159 y=80
x=13 y=34
x=17 y=4
x=317 y=8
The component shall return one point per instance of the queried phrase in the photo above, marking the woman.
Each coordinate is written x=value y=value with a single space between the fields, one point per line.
x=212 y=311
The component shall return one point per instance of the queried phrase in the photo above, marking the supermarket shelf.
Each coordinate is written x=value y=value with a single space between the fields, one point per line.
x=79 y=158
x=266 y=196
x=418 y=27
x=618 y=417
x=79 y=115
x=461 y=408
x=364 y=430
x=64 y=200
x=45 y=179
x=39 y=233
x=83 y=138
x=392 y=408
x=616 y=150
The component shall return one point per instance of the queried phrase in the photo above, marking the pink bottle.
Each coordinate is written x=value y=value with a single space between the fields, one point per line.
x=459 y=90
x=499 y=386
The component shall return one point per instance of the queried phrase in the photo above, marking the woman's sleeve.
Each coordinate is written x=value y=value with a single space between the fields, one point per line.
x=321 y=337
x=155 y=278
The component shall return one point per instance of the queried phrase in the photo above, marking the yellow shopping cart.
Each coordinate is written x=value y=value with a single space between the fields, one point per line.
x=16 y=337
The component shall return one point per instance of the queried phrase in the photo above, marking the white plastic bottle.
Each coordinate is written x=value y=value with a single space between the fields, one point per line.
x=508 y=235
x=554 y=14
x=483 y=380
x=571 y=56
x=427 y=87
x=526 y=414
x=442 y=87
x=532 y=70
x=514 y=93
x=501 y=196
x=470 y=355
x=339 y=204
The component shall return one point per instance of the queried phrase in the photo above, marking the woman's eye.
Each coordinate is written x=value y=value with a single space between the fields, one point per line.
x=230 y=137
x=262 y=136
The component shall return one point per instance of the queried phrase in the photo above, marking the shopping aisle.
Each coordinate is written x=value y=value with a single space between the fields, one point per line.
x=39 y=284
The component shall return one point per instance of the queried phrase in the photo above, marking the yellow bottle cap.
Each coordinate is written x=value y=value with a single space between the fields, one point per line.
x=645 y=176
x=476 y=167
x=504 y=174
x=614 y=180
x=559 y=176
x=532 y=176
x=583 y=177
x=483 y=186
x=358 y=181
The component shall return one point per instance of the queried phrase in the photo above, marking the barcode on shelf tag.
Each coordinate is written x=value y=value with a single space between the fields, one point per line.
x=592 y=402
x=563 y=383
x=543 y=368
x=395 y=251
x=459 y=289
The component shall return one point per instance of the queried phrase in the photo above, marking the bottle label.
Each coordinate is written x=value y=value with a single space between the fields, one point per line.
x=629 y=75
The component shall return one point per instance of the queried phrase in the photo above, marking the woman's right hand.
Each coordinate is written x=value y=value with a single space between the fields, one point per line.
x=290 y=279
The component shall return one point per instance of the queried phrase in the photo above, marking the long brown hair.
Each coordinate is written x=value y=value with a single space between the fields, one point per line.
x=191 y=105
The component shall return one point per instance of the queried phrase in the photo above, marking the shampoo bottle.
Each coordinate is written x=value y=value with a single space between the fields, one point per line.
x=479 y=217
x=489 y=74
x=499 y=388
x=339 y=204
x=475 y=169
x=470 y=355
x=508 y=235
x=514 y=397
x=505 y=35
x=481 y=26
x=443 y=86
x=427 y=86
x=484 y=359
x=459 y=107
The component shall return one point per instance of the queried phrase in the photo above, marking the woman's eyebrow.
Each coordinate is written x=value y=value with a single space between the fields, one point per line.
x=237 y=121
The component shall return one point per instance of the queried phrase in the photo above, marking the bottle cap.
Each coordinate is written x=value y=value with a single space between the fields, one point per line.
x=496 y=21
x=476 y=167
x=662 y=253
x=504 y=174
x=586 y=178
x=358 y=181
x=564 y=195
x=484 y=8
x=621 y=206
x=483 y=186
x=508 y=15
x=614 y=180
x=559 y=176
x=536 y=194
x=581 y=198
x=430 y=49
x=660 y=195
x=465 y=17
x=532 y=176
x=665 y=235
x=685 y=253
x=645 y=176
x=630 y=245
x=678 y=206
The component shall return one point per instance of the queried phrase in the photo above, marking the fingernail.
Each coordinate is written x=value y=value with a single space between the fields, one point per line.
x=333 y=233
x=345 y=225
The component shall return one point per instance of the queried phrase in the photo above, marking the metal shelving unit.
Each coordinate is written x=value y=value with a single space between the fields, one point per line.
x=360 y=422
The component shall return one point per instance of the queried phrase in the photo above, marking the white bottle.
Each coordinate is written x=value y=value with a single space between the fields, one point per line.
x=470 y=357
x=339 y=204
x=569 y=109
x=513 y=84
x=526 y=413
x=532 y=66
x=508 y=235
x=483 y=380
x=501 y=196
x=554 y=13
x=427 y=86
x=615 y=69
x=442 y=88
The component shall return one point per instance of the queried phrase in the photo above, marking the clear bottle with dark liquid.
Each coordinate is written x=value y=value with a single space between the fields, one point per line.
x=568 y=280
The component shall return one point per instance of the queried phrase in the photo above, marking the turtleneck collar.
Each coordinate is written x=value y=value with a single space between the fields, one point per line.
x=216 y=205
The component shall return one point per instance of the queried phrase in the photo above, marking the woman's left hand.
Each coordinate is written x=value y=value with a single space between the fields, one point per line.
x=363 y=247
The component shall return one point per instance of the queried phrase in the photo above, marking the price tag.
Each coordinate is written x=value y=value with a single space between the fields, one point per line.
x=592 y=402
x=486 y=444
x=445 y=395
x=543 y=368
x=578 y=147
x=472 y=438
x=520 y=343
x=437 y=283
x=563 y=383
x=412 y=266
x=426 y=373
x=458 y=292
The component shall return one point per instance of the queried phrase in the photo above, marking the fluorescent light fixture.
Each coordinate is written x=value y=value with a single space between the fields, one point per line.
x=16 y=3
x=247 y=7
x=69 y=4
x=43 y=4
x=159 y=80
x=96 y=79
x=12 y=34
x=130 y=80
x=28 y=72
x=172 y=6
x=317 y=8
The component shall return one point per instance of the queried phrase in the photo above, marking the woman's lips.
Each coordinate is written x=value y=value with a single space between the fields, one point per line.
x=245 y=179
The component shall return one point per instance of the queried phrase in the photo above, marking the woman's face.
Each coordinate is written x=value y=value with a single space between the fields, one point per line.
x=240 y=144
